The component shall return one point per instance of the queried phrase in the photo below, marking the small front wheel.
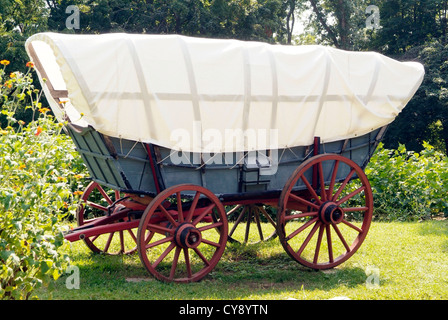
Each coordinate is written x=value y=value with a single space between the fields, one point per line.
x=182 y=234
x=96 y=202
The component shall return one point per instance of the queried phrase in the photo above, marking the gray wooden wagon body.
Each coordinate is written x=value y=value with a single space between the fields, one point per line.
x=136 y=167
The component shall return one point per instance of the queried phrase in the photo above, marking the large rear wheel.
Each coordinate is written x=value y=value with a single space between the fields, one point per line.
x=325 y=211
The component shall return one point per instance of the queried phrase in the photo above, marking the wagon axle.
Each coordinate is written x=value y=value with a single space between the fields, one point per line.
x=330 y=213
x=187 y=236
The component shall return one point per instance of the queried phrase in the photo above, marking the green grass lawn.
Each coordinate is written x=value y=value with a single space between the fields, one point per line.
x=397 y=261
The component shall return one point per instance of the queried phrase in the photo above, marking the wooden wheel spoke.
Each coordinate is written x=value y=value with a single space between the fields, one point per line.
x=351 y=226
x=252 y=216
x=210 y=226
x=308 y=238
x=109 y=240
x=329 y=243
x=193 y=206
x=104 y=194
x=303 y=227
x=333 y=178
x=164 y=254
x=200 y=255
x=268 y=217
x=96 y=206
x=214 y=244
x=319 y=241
x=159 y=229
x=175 y=260
x=132 y=236
x=121 y=234
x=341 y=237
x=234 y=209
x=168 y=216
x=187 y=263
x=310 y=189
x=249 y=218
x=258 y=222
x=344 y=183
x=238 y=220
x=303 y=201
x=206 y=211
x=354 y=209
x=350 y=195
x=179 y=207
x=158 y=242
x=301 y=215
x=323 y=194
x=148 y=237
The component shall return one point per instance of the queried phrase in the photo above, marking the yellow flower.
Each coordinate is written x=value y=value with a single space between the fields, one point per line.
x=77 y=193
x=4 y=62
x=12 y=75
x=38 y=131
x=44 y=110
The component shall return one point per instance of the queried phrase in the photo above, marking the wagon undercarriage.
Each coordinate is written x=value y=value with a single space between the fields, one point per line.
x=321 y=217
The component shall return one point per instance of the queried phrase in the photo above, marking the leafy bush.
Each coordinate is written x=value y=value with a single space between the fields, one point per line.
x=408 y=185
x=39 y=171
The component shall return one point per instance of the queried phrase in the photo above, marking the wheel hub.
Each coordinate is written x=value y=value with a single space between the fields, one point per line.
x=331 y=213
x=187 y=236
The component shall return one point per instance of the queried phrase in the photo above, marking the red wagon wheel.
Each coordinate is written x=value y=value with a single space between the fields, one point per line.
x=324 y=225
x=248 y=219
x=95 y=202
x=177 y=236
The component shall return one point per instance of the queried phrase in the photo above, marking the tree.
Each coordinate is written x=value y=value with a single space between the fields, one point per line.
x=240 y=19
x=19 y=20
x=338 y=22
x=426 y=116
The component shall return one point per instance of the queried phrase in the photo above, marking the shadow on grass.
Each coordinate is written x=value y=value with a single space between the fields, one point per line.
x=240 y=274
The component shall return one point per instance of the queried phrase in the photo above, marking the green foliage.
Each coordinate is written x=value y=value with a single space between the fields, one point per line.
x=36 y=189
x=425 y=118
x=407 y=185
x=240 y=19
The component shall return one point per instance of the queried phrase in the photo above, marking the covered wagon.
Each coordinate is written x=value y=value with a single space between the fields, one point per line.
x=185 y=132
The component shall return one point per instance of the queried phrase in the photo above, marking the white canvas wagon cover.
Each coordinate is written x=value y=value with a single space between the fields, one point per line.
x=209 y=95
